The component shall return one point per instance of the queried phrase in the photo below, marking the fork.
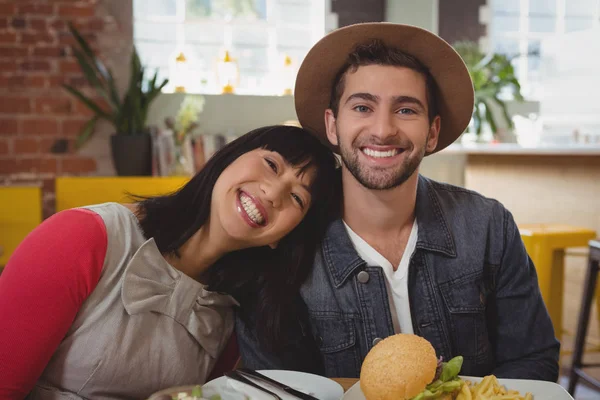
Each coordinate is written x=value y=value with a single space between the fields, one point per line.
x=238 y=377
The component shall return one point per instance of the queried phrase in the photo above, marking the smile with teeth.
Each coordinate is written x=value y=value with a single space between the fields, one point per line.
x=380 y=154
x=251 y=210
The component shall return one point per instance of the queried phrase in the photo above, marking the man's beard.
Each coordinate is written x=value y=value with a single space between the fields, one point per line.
x=374 y=178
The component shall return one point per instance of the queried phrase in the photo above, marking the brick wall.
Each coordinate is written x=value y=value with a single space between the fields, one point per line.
x=35 y=112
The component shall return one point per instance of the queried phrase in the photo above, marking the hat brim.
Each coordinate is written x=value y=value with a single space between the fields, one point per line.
x=454 y=94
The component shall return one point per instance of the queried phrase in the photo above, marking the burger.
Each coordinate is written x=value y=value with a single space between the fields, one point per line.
x=405 y=366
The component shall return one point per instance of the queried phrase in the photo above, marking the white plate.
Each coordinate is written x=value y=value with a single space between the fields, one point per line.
x=540 y=390
x=315 y=385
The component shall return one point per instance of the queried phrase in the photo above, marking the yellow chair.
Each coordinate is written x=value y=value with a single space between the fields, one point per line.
x=83 y=191
x=20 y=213
x=546 y=244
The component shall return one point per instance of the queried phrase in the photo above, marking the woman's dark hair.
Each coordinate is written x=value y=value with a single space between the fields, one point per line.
x=264 y=281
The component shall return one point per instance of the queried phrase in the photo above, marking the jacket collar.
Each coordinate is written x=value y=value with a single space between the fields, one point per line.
x=339 y=253
x=434 y=235
x=434 y=232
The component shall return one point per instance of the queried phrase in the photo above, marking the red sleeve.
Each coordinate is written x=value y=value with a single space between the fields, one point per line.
x=46 y=280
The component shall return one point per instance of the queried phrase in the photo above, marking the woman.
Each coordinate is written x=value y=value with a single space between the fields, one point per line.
x=119 y=301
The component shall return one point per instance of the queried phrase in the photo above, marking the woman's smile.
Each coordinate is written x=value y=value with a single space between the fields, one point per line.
x=251 y=210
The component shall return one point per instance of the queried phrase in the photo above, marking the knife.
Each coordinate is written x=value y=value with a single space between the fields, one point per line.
x=279 y=385
x=240 y=378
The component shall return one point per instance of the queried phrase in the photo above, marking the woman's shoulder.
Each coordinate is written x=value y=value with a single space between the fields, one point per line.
x=75 y=222
x=119 y=218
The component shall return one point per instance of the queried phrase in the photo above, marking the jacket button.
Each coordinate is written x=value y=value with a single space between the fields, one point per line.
x=376 y=340
x=363 y=277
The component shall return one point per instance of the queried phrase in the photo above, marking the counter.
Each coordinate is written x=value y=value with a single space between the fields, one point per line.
x=544 y=184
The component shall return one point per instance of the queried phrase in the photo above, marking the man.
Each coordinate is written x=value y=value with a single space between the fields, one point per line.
x=408 y=254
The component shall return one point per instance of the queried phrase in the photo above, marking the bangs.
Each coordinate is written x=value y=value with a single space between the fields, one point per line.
x=296 y=146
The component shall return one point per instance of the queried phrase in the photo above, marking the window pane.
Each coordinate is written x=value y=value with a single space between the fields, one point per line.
x=292 y=37
x=296 y=53
x=154 y=8
x=516 y=63
x=156 y=55
x=545 y=8
x=204 y=33
x=581 y=8
x=533 y=69
x=503 y=24
x=154 y=31
x=578 y=24
x=223 y=9
x=542 y=24
x=251 y=58
x=202 y=38
x=205 y=55
x=533 y=55
x=505 y=7
x=250 y=35
x=292 y=13
x=507 y=46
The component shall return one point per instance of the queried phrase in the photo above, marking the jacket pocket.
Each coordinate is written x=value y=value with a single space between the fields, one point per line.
x=336 y=337
x=465 y=299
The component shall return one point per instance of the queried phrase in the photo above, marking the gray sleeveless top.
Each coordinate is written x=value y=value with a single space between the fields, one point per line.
x=145 y=327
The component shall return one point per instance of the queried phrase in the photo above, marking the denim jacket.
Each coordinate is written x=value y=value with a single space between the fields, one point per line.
x=473 y=292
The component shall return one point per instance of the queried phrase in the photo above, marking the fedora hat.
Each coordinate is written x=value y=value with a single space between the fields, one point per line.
x=454 y=94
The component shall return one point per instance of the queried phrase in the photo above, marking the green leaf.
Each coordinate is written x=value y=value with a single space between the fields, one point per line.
x=451 y=369
x=420 y=396
x=505 y=113
x=491 y=74
x=86 y=67
x=489 y=117
x=112 y=87
x=152 y=84
x=436 y=389
x=434 y=385
x=134 y=94
x=88 y=52
x=81 y=41
x=89 y=103
x=86 y=132
x=477 y=119
x=128 y=113
x=92 y=78
x=197 y=391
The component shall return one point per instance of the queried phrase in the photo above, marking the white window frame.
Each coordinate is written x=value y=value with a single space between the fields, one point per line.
x=319 y=12
x=524 y=36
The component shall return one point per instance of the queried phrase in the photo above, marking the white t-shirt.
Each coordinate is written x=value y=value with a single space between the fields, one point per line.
x=396 y=281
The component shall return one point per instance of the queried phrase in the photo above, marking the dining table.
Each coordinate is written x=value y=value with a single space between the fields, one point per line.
x=345 y=383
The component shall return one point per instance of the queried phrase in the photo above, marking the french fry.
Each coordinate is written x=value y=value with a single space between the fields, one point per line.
x=465 y=392
x=489 y=388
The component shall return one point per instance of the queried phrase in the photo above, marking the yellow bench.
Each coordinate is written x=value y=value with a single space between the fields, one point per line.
x=20 y=213
x=83 y=191
x=546 y=244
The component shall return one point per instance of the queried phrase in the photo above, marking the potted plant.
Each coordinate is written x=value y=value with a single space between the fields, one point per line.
x=492 y=74
x=131 y=144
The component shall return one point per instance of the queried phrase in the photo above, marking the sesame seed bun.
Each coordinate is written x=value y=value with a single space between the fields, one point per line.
x=398 y=367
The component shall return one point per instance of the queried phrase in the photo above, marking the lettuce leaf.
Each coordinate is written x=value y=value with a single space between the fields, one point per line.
x=451 y=369
x=447 y=383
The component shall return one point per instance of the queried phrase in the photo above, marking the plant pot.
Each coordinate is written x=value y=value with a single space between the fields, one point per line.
x=132 y=154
